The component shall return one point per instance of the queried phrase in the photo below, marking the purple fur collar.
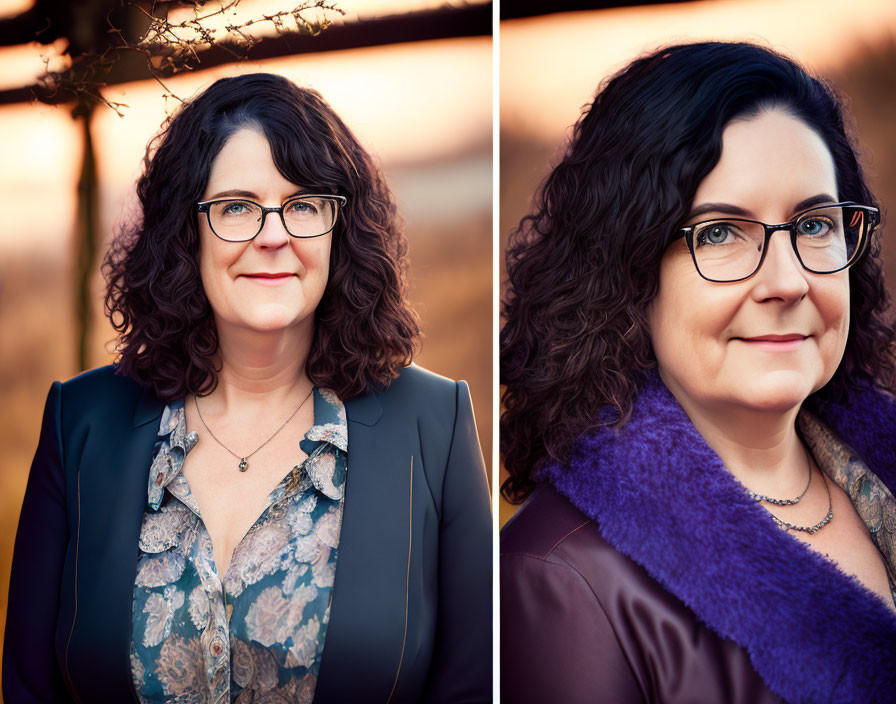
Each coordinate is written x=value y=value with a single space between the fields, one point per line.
x=662 y=497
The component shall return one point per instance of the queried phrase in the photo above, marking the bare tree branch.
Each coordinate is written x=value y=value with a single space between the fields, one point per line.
x=166 y=47
x=474 y=19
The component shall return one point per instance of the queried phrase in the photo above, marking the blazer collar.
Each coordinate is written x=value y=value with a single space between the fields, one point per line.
x=364 y=410
x=148 y=408
x=661 y=496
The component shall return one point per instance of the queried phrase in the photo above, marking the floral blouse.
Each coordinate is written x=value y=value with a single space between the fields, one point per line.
x=871 y=498
x=258 y=633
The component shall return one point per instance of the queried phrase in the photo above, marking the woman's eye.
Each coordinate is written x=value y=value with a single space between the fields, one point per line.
x=302 y=207
x=717 y=233
x=814 y=227
x=235 y=208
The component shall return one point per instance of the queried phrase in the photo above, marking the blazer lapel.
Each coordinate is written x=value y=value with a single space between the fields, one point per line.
x=368 y=617
x=662 y=496
x=111 y=495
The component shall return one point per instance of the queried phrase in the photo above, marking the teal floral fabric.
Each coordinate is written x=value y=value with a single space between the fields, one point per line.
x=257 y=633
x=871 y=498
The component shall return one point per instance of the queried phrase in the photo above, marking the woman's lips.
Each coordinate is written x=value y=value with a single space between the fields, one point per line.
x=269 y=279
x=774 y=343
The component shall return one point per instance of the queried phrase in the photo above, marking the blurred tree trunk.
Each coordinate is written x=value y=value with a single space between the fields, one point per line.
x=85 y=231
x=89 y=29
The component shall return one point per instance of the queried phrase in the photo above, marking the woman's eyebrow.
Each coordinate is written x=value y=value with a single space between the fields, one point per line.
x=728 y=209
x=820 y=199
x=238 y=193
x=234 y=193
x=725 y=208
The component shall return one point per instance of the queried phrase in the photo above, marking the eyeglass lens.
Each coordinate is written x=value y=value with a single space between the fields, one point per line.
x=827 y=238
x=238 y=220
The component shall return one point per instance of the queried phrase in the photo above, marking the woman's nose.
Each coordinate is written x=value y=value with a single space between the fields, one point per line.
x=781 y=275
x=272 y=234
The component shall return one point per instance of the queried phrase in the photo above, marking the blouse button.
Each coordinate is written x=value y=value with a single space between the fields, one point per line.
x=217 y=647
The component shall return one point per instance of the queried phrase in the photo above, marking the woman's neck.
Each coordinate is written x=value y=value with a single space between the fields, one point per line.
x=759 y=447
x=259 y=370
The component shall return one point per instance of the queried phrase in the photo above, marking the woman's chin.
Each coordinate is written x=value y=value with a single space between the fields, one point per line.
x=274 y=326
x=777 y=391
x=269 y=319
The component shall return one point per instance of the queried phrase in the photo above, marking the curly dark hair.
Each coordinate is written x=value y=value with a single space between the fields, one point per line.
x=582 y=267
x=365 y=330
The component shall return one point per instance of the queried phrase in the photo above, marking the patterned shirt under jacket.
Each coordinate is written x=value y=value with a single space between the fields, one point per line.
x=258 y=634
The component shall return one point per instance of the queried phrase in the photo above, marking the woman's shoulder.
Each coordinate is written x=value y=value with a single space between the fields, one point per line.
x=99 y=379
x=103 y=387
x=415 y=379
x=428 y=396
x=441 y=412
x=548 y=527
x=548 y=531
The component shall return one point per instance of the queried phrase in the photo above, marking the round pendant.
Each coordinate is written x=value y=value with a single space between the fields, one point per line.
x=244 y=464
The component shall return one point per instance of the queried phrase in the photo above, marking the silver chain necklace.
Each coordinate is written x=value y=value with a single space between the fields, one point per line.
x=244 y=461
x=818 y=526
x=786 y=502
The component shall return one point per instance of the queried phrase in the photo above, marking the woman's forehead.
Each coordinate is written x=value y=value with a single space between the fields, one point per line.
x=771 y=162
x=245 y=165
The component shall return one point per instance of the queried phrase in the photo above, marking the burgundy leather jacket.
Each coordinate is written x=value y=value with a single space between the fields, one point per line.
x=642 y=571
x=580 y=622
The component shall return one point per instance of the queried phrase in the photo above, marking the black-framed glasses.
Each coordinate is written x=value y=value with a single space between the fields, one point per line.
x=826 y=239
x=240 y=220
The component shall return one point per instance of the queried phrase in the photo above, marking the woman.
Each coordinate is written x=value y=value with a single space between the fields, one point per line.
x=261 y=500
x=699 y=383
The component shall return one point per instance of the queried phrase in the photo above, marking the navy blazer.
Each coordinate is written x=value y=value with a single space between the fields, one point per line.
x=411 y=607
